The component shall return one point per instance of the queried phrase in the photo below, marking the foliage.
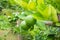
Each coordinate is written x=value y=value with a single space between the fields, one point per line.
x=27 y=17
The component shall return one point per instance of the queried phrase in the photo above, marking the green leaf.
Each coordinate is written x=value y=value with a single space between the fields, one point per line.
x=54 y=14
x=41 y=25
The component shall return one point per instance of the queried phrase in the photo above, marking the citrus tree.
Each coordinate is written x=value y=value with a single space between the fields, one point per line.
x=33 y=19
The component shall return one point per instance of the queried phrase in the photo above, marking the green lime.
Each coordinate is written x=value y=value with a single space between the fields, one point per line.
x=30 y=21
x=24 y=25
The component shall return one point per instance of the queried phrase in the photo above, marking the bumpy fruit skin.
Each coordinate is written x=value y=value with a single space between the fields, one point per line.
x=30 y=21
x=24 y=25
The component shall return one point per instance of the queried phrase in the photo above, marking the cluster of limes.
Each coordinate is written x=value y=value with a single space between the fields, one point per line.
x=28 y=22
